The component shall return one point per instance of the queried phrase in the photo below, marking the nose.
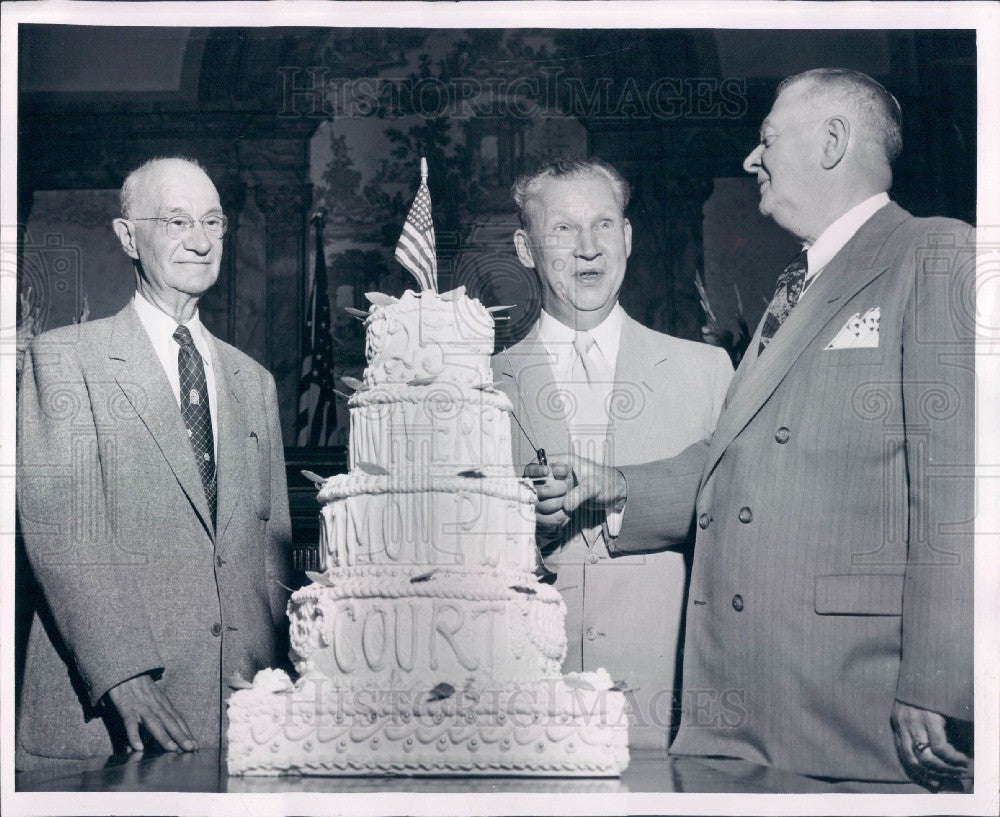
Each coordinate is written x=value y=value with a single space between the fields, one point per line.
x=586 y=246
x=752 y=161
x=197 y=239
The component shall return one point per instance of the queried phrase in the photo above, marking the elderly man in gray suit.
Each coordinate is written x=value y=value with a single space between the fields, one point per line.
x=829 y=623
x=152 y=498
x=590 y=379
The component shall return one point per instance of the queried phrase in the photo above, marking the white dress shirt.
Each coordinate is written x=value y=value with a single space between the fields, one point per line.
x=833 y=238
x=557 y=338
x=160 y=327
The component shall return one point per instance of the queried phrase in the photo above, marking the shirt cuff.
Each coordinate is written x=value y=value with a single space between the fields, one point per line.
x=613 y=519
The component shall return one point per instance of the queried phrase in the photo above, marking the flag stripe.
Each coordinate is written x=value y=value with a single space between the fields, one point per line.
x=416 y=247
x=316 y=420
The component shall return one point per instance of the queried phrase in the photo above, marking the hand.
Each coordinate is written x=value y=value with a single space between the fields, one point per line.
x=596 y=486
x=551 y=484
x=140 y=701
x=910 y=725
x=588 y=483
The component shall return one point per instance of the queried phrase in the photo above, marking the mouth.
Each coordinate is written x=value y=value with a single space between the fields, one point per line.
x=588 y=276
x=762 y=182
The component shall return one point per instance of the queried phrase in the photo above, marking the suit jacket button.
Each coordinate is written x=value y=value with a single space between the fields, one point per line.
x=704 y=521
x=746 y=515
x=782 y=435
x=216 y=629
x=591 y=634
x=738 y=603
x=219 y=561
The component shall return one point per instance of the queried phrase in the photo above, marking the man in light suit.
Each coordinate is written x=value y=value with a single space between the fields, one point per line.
x=152 y=498
x=829 y=623
x=631 y=395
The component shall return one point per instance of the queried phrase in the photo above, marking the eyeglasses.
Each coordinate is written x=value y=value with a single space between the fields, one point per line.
x=180 y=226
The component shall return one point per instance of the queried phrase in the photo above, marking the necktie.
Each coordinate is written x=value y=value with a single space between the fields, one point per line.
x=584 y=369
x=195 y=412
x=590 y=383
x=786 y=295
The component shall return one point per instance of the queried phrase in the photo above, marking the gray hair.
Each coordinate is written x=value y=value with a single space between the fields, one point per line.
x=876 y=111
x=527 y=184
x=135 y=182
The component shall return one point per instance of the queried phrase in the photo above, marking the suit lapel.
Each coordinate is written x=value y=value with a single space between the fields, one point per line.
x=144 y=383
x=852 y=269
x=634 y=389
x=231 y=460
x=535 y=403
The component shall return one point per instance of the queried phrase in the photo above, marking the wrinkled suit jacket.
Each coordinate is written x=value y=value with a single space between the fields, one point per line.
x=624 y=609
x=115 y=522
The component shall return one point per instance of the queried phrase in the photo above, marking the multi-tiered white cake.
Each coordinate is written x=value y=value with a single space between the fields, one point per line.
x=427 y=646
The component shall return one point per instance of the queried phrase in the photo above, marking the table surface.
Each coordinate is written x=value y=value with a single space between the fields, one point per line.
x=205 y=771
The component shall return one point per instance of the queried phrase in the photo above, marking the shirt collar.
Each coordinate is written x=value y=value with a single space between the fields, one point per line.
x=161 y=327
x=833 y=238
x=554 y=334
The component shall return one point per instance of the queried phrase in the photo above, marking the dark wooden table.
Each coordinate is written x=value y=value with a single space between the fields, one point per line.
x=205 y=771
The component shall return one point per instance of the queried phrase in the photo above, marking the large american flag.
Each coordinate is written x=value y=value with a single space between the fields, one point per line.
x=415 y=249
x=317 y=419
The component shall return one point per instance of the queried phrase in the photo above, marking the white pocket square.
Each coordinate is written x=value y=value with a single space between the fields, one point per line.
x=860 y=331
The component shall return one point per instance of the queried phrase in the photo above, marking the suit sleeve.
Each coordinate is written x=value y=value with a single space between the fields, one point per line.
x=69 y=532
x=278 y=535
x=936 y=670
x=661 y=501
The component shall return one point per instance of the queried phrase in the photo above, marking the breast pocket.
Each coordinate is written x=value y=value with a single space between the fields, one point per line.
x=855 y=594
x=871 y=356
x=259 y=469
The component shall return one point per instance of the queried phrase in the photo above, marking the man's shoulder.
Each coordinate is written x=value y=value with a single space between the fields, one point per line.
x=669 y=346
x=943 y=225
x=528 y=347
x=910 y=226
x=81 y=339
x=241 y=360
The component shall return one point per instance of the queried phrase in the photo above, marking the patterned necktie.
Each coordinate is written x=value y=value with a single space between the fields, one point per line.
x=786 y=295
x=195 y=412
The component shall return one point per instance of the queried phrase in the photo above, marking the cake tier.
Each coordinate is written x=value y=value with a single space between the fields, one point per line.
x=419 y=520
x=441 y=426
x=572 y=726
x=385 y=629
x=448 y=337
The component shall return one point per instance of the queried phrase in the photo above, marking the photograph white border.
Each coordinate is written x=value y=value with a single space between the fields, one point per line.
x=752 y=14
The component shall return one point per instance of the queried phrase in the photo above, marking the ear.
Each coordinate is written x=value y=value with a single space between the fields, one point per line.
x=125 y=230
x=627 y=227
x=523 y=249
x=836 y=134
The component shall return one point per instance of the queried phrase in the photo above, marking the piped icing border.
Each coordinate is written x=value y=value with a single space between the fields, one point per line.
x=357 y=483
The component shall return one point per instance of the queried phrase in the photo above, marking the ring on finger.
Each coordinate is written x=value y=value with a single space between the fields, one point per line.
x=919 y=746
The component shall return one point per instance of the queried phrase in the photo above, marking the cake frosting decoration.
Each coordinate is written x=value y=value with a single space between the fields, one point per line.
x=426 y=644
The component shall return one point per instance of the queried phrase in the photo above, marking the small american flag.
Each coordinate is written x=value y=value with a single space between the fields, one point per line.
x=415 y=249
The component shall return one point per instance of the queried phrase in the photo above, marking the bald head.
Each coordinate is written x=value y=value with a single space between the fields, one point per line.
x=143 y=184
x=874 y=113
x=825 y=146
x=172 y=227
